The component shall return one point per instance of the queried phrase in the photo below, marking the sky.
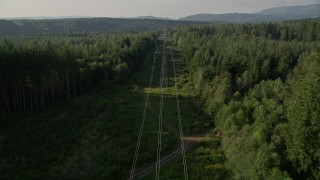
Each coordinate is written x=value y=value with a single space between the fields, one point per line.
x=132 y=8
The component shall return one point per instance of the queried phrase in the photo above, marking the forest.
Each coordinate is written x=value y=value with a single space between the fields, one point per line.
x=20 y=27
x=76 y=99
x=261 y=85
x=42 y=74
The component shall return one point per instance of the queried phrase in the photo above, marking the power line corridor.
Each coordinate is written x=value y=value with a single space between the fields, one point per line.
x=165 y=52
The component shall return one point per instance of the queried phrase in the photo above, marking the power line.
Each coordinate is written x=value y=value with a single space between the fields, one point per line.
x=158 y=164
x=184 y=160
x=155 y=43
x=163 y=82
x=142 y=123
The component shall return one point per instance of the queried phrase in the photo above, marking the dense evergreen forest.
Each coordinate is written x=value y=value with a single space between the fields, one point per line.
x=258 y=83
x=261 y=84
x=46 y=73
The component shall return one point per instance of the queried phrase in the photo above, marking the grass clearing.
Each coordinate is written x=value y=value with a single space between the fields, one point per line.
x=94 y=136
x=205 y=160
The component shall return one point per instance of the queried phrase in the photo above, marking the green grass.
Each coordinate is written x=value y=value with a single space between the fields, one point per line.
x=94 y=136
x=194 y=120
x=205 y=161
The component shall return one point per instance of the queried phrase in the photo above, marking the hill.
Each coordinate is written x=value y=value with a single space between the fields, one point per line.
x=268 y=15
x=293 y=12
x=84 y=25
x=230 y=17
x=47 y=17
x=152 y=17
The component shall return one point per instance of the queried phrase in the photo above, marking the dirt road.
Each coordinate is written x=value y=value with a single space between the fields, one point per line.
x=189 y=141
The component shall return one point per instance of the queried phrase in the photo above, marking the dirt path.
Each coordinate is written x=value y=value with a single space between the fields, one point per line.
x=189 y=141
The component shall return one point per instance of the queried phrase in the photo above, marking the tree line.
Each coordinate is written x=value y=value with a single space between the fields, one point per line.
x=67 y=26
x=260 y=83
x=38 y=74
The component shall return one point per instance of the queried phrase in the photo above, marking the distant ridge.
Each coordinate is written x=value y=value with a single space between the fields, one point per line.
x=47 y=17
x=84 y=24
x=268 y=15
x=17 y=27
x=152 y=17
x=311 y=10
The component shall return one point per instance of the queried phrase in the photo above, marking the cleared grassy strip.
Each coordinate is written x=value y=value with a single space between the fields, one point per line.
x=205 y=161
x=94 y=136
